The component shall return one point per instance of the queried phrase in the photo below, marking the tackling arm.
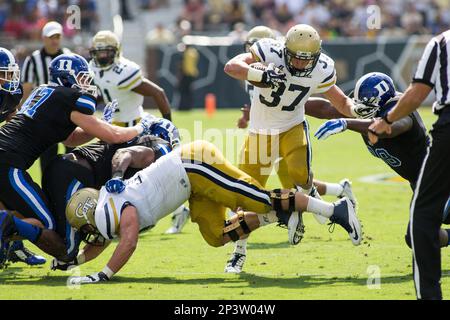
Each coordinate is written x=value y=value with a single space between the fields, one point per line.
x=136 y=157
x=90 y=126
x=321 y=109
x=150 y=89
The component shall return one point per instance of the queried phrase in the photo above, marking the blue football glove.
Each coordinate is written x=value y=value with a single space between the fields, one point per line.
x=330 y=127
x=109 y=110
x=115 y=185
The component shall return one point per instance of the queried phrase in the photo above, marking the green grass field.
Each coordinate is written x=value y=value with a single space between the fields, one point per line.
x=323 y=266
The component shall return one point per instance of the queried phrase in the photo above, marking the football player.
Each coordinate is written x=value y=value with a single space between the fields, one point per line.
x=197 y=172
x=277 y=113
x=11 y=93
x=404 y=149
x=90 y=166
x=61 y=111
x=121 y=79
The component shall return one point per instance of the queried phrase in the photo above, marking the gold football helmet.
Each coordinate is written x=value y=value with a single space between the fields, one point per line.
x=80 y=213
x=106 y=49
x=302 y=44
x=258 y=33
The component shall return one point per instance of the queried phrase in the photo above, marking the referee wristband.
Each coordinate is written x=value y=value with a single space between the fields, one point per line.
x=386 y=119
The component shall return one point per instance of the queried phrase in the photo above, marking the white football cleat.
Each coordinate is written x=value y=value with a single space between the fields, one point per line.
x=296 y=228
x=179 y=219
x=236 y=263
x=345 y=215
x=347 y=191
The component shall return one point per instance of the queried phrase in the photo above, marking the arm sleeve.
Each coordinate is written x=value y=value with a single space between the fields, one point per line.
x=327 y=82
x=427 y=68
x=131 y=79
x=85 y=103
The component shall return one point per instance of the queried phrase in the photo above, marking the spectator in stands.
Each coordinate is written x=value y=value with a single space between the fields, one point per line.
x=160 y=35
x=33 y=24
x=234 y=13
x=412 y=21
x=239 y=34
x=194 y=12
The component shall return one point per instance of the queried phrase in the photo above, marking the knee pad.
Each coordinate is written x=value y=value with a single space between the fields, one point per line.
x=231 y=227
x=277 y=197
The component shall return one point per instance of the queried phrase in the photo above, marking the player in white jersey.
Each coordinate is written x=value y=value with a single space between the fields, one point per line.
x=343 y=188
x=197 y=172
x=121 y=79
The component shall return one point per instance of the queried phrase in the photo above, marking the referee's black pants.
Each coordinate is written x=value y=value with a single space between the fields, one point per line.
x=430 y=196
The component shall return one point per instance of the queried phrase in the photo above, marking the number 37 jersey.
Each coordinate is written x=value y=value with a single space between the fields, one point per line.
x=276 y=110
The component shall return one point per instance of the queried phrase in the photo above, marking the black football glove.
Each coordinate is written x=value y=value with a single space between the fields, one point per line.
x=273 y=76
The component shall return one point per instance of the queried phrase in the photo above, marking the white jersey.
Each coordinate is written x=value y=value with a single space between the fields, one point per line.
x=277 y=110
x=155 y=192
x=117 y=83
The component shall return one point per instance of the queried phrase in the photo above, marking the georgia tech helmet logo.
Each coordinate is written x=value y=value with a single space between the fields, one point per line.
x=83 y=208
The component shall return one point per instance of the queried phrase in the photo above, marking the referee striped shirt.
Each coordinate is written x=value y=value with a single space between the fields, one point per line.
x=434 y=69
x=35 y=67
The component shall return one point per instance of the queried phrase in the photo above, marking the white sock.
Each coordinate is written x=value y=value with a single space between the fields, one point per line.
x=267 y=218
x=320 y=207
x=241 y=246
x=304 y=191
x=333 y=189
x=231 y=213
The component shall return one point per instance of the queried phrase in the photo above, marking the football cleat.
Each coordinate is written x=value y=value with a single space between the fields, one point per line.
x=4 y=245
x=236 y=263
x=18 y=253
x=295 y=226
x=179 y=219
x=315 y=194
x=347 y=191
x=344 y=214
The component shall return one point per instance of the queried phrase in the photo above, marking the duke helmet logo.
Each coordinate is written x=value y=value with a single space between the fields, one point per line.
x=65 y=65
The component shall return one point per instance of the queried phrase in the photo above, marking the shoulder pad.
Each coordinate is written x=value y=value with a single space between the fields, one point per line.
x=107 y=213
x=131 y=74
x=267 y=50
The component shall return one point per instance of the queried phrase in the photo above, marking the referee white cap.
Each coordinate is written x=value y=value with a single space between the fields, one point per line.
x=51 y=28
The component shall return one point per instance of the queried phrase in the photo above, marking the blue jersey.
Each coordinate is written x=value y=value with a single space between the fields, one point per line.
x=9 y=102
x=405 y=152
x=43 y=120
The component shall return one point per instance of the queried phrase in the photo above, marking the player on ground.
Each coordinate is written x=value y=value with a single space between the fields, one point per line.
x=11 y=93
x=61 y=111
x=197 y=172
x=278 y=112
x=90 y=166
x=403 y=149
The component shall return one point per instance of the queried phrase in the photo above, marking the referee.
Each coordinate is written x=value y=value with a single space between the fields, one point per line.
x=35 y=71
x=433 y=185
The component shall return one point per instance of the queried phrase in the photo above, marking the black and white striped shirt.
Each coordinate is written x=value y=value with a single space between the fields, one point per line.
x=434 y=69
x=35 y=66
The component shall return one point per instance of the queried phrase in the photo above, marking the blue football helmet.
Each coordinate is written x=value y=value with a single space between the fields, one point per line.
x=9 y=71
x=372 y=92
x=72 y=71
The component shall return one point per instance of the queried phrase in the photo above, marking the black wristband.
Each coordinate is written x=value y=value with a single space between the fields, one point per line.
x=167 y=116
x=386 y=119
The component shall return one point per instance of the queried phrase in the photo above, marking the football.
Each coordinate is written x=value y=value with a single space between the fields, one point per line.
x=259 y=66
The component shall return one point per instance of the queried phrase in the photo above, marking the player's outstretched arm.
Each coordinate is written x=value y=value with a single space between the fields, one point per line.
x=321 y=109
x=92 y=127
x=150 y=89
x=136 y=157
